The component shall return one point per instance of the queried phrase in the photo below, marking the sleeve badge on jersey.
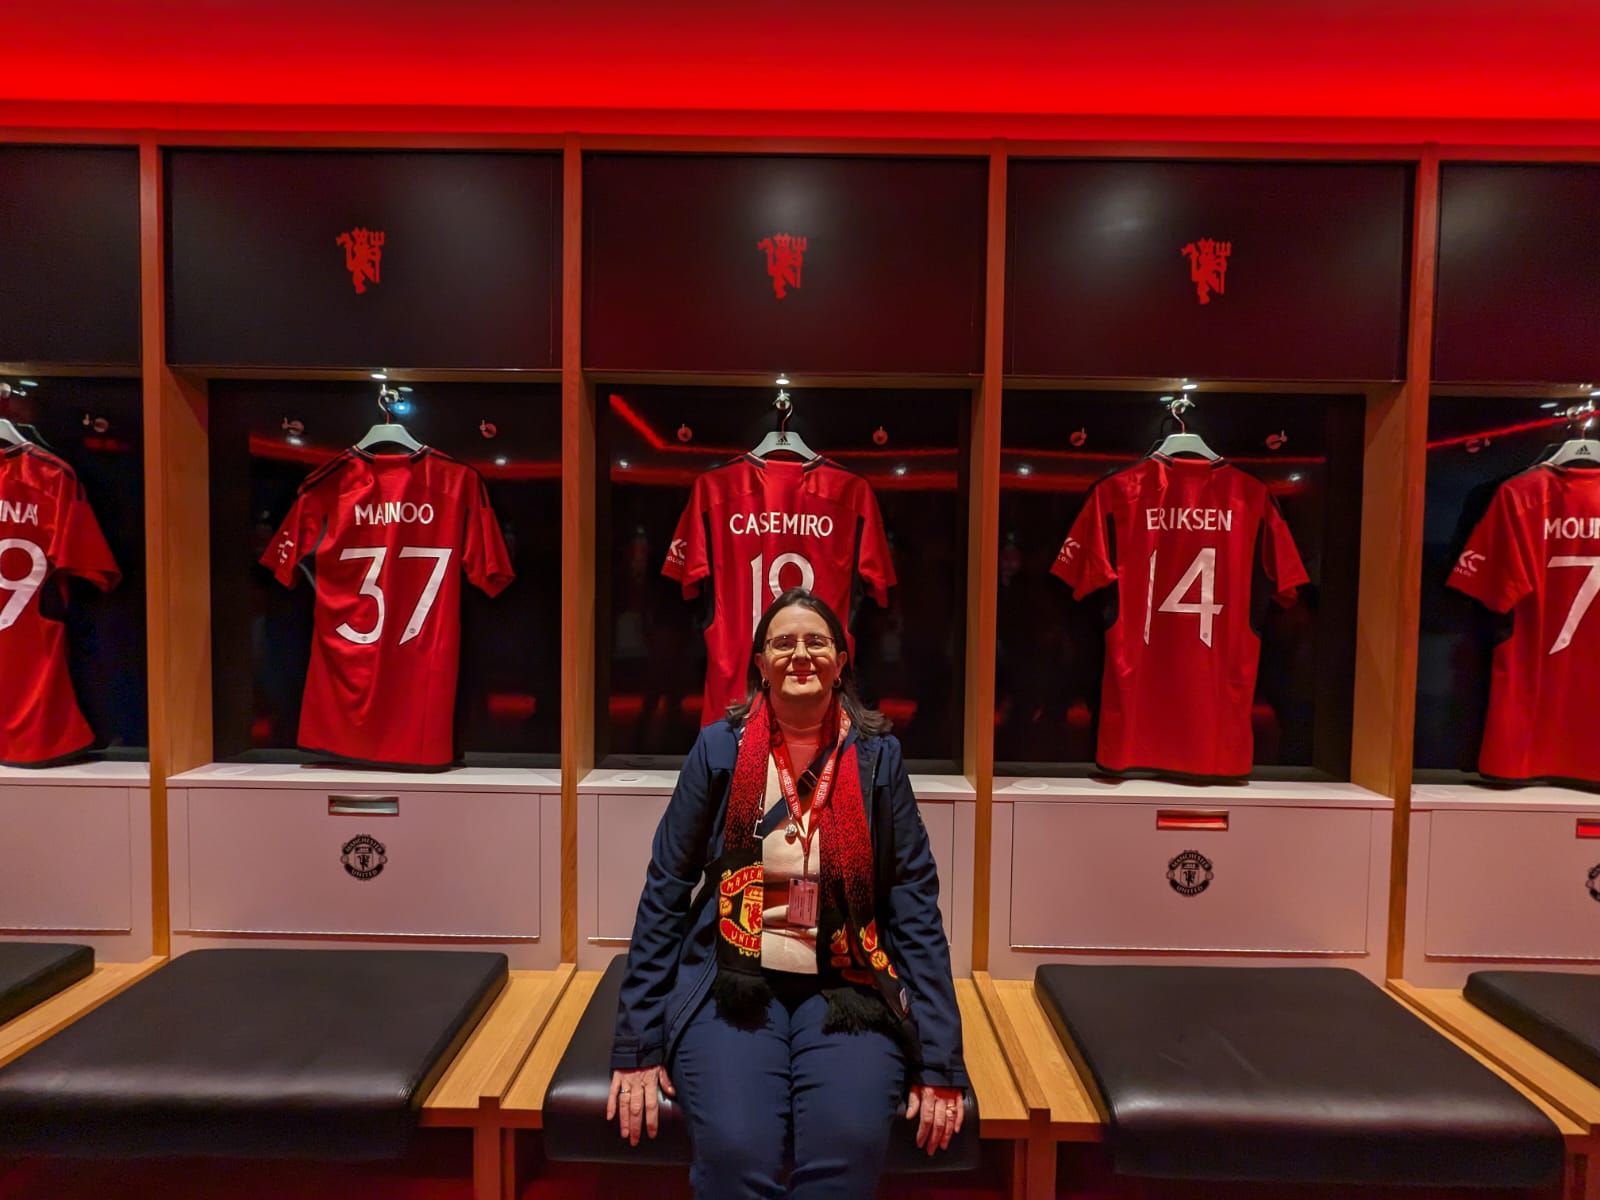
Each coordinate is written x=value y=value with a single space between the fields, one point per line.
x=1470 y=561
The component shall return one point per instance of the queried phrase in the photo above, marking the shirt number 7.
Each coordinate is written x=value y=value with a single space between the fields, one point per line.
x=1580 y=602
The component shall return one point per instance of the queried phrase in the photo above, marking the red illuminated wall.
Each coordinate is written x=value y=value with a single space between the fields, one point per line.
x=1445 y=70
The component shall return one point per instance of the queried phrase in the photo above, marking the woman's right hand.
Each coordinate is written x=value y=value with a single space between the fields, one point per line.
x=634 y=1103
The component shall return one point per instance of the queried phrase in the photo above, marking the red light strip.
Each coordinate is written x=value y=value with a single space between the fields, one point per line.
x=1507 y=431
x=1588 y=828
x=626 y=411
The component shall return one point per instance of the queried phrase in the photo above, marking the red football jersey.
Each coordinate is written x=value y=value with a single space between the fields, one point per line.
x=760 y=528
x=1183 y=540
x=385 y=540
x=47 y=532
x=1536 y=555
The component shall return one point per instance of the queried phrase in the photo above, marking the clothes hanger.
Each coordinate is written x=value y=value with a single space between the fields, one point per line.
x=1183 y=442
x=1582 y=450
x=390 y=431
x=780 y=439
x=10 y=435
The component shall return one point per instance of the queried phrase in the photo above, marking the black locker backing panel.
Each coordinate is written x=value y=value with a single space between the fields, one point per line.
x=69 y=255
x=363 y=259
x=1207 y=270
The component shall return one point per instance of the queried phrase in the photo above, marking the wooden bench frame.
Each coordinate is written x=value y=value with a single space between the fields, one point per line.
x=1550 y=1084
x=1058 y=1089
x=471 y=1092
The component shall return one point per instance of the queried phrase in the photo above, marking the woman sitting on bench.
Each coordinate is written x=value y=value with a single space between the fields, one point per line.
x=806 y=988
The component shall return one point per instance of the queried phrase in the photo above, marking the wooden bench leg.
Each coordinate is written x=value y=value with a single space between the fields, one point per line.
x=487 y=1169
x=1038 y=1167
x=508 y=1164
x=1588 y=1177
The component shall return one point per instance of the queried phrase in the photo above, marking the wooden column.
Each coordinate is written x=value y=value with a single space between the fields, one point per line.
x=983 y=558
x=1391 y=559
x=577 y=543
x=177 y=543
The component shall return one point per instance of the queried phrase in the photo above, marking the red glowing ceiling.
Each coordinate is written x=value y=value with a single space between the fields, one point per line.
x=1465 y=59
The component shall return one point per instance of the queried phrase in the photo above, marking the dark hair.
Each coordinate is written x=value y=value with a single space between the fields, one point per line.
x=869 y=722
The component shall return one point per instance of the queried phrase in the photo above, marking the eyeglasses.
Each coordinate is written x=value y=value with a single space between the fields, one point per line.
x=815 y=643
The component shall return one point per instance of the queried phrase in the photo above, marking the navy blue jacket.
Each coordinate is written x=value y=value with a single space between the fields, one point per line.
x=673 y=955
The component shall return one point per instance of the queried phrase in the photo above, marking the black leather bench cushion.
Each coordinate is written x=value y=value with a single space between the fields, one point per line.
x=576 y=1129
x=1289 y=1075
x=1557 y=1011
x=32 y=972
x=252 y=1053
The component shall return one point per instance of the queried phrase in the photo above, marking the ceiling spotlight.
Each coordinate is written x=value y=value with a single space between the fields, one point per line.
x=623 y=463
x=1295 y=476
x=27 y=383
x=403 y=388
x=900 y=470
x=1551 y=404
x=380 y=376
x=1596 y=392
x=1189 y=387
x=295 y=439
x=500 y=460
x=782 y=380
x=1165 y=400
x=1024 y=470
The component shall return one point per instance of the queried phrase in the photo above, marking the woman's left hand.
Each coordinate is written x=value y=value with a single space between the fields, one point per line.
x=942 y=1109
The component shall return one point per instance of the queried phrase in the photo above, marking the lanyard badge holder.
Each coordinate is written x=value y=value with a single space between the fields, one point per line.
x=804 y=893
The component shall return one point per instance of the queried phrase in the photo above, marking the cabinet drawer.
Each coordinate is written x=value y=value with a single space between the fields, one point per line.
x=627 y=827
x=66 y=858
x=300 y=861
x=1100 y=876
x=1513 y=885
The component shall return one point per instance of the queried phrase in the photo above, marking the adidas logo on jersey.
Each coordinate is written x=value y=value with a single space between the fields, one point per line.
x=394 y=512
x=15 y=512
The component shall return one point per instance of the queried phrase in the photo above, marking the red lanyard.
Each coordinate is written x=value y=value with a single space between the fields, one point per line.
x=791 y=792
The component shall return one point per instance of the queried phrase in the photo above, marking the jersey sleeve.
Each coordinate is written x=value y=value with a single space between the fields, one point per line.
x=688 y=560
x=1084 y=562
x=875 y=564
x=484 y=556
x=1282 y=557
x=296 y=538
x=82 y=549
x=1496 y=568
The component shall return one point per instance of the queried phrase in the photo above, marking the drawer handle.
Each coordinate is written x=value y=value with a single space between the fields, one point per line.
x=363 y=806
x=1192 y=820
x=1588 y=827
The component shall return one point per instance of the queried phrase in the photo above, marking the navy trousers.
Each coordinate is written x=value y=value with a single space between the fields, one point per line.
x=788 y=1095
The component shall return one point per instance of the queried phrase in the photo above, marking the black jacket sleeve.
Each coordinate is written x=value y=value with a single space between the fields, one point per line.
x=677 y=858
x=916 y=932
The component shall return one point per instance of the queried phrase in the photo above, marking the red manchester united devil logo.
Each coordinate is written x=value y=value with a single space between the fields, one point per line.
x=785 y=256
x=1208 y=266
x=363 y=252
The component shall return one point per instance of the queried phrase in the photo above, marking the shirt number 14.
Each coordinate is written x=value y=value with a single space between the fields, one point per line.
x=1203 y=569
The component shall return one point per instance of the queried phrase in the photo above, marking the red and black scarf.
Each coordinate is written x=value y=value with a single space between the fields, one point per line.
x=853 y=968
